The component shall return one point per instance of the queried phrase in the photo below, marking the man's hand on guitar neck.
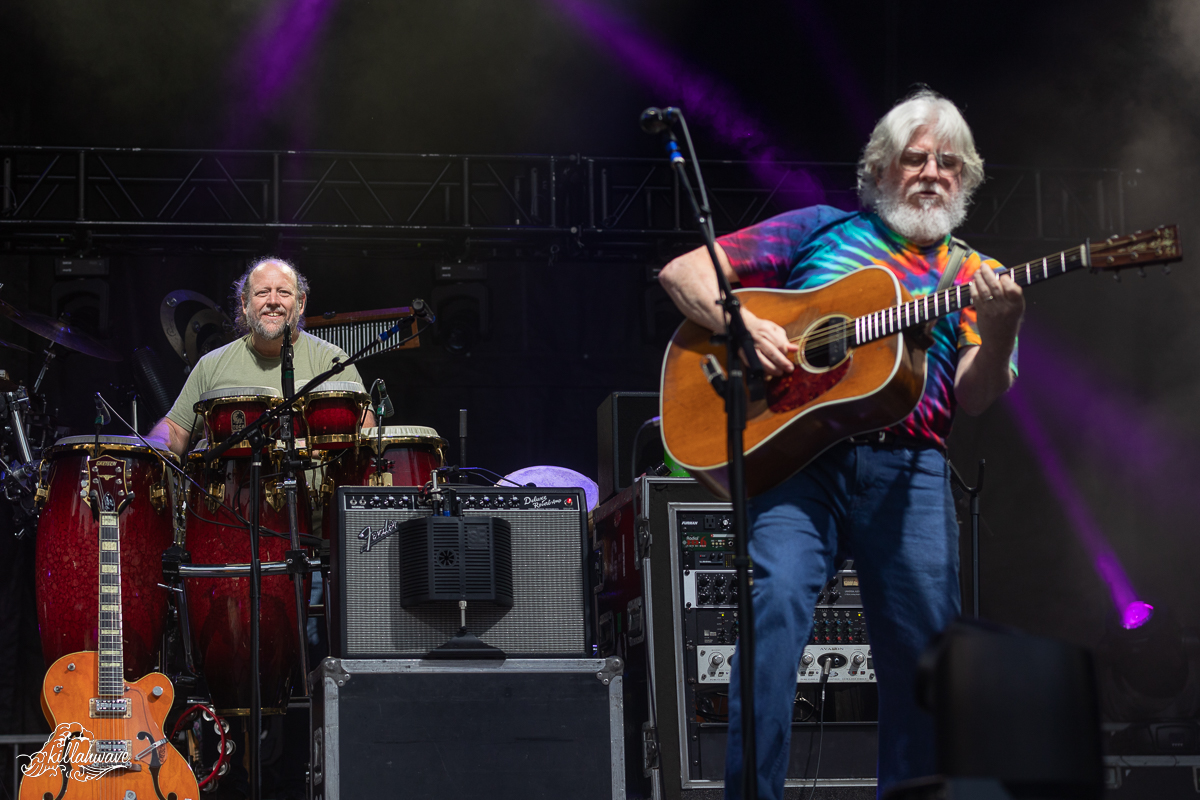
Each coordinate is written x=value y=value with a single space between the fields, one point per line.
x=984 y=373
x=692 y=284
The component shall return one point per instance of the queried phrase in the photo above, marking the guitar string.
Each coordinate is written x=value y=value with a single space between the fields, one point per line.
x=877 y=320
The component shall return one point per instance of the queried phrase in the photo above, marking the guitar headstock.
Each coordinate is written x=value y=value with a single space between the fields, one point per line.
x=107 y=478
x=1139 y=249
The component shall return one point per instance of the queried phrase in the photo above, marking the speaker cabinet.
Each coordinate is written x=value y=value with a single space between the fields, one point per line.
x=549 y=614
x=618 y=420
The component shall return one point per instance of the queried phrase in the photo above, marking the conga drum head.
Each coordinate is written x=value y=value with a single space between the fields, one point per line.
x=68 y=551
x=332 y=413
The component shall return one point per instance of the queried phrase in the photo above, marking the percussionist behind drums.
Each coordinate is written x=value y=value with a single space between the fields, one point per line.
x=272 y=293
x=228 y=389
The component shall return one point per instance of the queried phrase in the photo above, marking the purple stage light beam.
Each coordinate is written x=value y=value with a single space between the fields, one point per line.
x=271 y=58
x=1133 y=612
x=1136 y=446
x=703 y=98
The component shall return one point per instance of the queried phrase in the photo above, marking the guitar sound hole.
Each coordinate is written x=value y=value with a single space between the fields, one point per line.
x=827 y=344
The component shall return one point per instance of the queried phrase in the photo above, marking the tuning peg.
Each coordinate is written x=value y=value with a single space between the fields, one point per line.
x=1117 y=276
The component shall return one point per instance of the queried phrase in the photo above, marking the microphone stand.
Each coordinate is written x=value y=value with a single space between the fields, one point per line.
x=733 y=388
x=297 y=566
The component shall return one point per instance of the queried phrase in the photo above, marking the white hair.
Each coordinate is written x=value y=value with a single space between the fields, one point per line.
x=892 y=134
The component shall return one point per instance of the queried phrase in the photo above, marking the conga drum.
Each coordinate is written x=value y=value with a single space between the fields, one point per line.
x=68 y=553
x=219 y=608
x=332 y=415
x=412 y=453
x=228 y=411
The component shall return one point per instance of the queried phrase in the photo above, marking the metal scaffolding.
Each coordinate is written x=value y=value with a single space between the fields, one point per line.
x=76 y=200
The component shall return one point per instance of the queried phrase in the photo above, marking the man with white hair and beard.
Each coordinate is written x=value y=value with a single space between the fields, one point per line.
x=882 y=498
x=270 y=293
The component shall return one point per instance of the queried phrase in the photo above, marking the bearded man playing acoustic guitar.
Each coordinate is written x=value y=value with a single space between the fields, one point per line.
x=883 y=498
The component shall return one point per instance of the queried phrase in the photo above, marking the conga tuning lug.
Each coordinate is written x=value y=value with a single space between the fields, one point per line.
x=158 y=497
x=274 y=494
x=216 y=497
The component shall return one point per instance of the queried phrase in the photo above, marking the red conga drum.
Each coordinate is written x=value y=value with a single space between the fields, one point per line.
x=68 y=552
x=219 y=608
x=412 y=452
x=228 y=411
x=332 y=415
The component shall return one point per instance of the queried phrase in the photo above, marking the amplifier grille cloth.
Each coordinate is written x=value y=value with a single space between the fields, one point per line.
x=547 y=616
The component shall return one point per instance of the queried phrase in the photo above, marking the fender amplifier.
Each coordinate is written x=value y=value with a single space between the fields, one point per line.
x=549 y=614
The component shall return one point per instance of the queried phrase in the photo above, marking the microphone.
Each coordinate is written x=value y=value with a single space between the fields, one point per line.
x=385 y=409
x=102 y=415
x=288 y=378
x=657 y=120
x=421 y=310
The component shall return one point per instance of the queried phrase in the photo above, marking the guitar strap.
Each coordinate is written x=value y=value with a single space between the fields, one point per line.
x=959 y=250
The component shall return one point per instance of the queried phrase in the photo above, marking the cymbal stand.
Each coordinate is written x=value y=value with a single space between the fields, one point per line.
x=50 y=356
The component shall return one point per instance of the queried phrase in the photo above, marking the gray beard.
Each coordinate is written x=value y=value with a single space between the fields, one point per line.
x=926 y=222
x=258 y=328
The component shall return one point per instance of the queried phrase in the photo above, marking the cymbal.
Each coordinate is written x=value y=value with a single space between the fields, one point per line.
x=59 y=332
x=16 y=347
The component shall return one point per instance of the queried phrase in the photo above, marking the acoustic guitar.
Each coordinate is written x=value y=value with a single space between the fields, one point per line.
x=859 y=368
x=108 y=737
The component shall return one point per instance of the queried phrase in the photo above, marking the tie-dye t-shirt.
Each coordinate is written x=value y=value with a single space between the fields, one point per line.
x=811 y=246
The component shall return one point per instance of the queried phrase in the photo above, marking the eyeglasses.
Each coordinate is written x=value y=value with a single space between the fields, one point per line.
x=912 y=160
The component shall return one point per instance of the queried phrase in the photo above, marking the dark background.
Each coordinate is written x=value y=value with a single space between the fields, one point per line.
x=1072 y=84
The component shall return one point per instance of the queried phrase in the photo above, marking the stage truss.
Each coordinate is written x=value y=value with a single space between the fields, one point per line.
x=131 y=200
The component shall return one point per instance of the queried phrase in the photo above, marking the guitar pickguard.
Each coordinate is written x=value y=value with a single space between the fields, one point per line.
x=800 y=387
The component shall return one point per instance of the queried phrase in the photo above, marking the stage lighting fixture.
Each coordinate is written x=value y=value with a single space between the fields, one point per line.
x=1149 y=673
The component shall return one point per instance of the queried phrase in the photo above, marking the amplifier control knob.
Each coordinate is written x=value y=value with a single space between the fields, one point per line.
x=716 y=661
x=806 y=659
x=857 y=659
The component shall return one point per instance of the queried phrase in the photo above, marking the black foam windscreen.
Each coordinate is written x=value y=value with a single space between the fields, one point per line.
x=456 y=558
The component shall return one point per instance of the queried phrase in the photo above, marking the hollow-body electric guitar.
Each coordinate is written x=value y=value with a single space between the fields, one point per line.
x=858 y=368
x=108 y=734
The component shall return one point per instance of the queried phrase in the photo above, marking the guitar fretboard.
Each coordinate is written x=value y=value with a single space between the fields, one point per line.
x=112 y=668
x=894 y=319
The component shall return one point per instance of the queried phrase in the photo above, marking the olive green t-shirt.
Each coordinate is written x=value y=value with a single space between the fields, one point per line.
x=239 y=364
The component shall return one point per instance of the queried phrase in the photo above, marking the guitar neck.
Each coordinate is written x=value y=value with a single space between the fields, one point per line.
x=112 y=667
x=894 y=319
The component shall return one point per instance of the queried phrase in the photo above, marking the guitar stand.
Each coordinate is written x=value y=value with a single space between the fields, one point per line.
x=973 y=492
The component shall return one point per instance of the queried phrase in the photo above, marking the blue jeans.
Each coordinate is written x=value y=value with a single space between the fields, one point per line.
x=889 y=508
